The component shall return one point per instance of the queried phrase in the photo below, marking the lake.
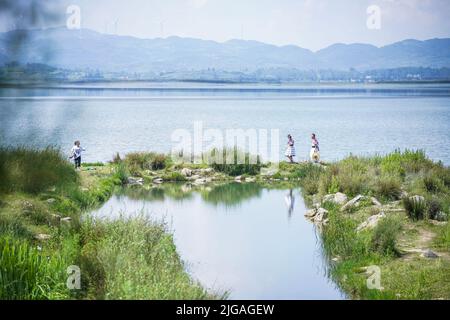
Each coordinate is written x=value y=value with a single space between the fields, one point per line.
x=125 y=117
x=253 y=242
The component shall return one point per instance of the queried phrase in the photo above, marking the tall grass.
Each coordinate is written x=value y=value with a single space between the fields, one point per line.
x=233 y=161
x=138 y=161
x=139 y=261
x=25 y=273
x=34 y=170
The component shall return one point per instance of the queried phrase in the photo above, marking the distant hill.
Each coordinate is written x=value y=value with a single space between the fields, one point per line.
x=86 y=49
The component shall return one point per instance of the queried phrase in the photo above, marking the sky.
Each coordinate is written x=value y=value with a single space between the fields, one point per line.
x=311 y=24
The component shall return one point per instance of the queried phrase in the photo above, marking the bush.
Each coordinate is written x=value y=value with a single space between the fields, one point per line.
x=388 y=187
x=415 y=207
x=34 y=170
x=138 y=161
x=233 y=162
x=434 y=207
x=432 y=184
x=384 y=237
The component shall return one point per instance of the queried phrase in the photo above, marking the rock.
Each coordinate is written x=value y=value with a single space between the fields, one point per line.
x=338 y=198
x=317 y=215
x=321 y=215
x=51 y=200
x=250 y=179
x=238 y=179
x=135 y=181
x=186 y=172
x=375 y=202
x=207 y=170
x=158 y=180
x=371 y=222
x=194 y=177
x=42 y=236
x=66 y=220
x=440 y=216
x=311 y=213
x=200 y=181
x=429 y=254
x=352 y=203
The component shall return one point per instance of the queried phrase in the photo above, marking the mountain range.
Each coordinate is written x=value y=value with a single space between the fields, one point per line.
x=87 y=49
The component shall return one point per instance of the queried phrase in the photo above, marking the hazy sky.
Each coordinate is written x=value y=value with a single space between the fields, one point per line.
x=312 y=24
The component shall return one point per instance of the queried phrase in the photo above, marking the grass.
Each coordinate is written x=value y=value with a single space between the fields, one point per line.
x=138 y=161
x=233 y=162
x=140 y=261
x=34 y=170
x=124 y=259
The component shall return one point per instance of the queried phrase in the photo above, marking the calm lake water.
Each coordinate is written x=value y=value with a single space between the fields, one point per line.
x=253 y=242
x=124 y=117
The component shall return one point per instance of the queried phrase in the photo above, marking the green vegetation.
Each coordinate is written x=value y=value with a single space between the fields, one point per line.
x=42 y=199
x=233 y=162
x=395 y=242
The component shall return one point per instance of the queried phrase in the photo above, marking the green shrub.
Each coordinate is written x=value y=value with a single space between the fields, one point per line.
x=415 y=207
x=384 y=237
x=121 y=172
x=233 y=162
x=174 y=176
x=138 y=161
x=34 y=170
x=432 y=184
x=388 y=187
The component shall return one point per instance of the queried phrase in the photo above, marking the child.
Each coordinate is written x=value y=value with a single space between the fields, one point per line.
x=75 y=153
x=314 y=153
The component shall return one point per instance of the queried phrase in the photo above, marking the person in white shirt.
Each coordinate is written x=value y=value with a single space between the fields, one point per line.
x=75 y=153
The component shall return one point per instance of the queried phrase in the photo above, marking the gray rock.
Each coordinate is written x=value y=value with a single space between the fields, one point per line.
x=429 y=254
x=135 y=181
x=51 y=200
x=321 y=215
x=441 y=216
x=158 y=180
x=42 y=236
x=311 y=213
x=238 y=178
x=200 y=181
x=371 y=222
x=375 y=202
x=340 y=198
x=417 y=198
x=186 y=172
x=352 y=203
x=250 y=179
x=66 y=220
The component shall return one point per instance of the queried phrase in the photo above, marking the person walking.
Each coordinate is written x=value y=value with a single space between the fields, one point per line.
x=290 y=151
x=314 y=154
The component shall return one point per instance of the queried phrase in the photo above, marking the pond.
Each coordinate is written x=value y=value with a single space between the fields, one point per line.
x=250 y=241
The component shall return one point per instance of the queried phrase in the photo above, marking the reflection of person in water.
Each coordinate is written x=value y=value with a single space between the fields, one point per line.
x=290 y=200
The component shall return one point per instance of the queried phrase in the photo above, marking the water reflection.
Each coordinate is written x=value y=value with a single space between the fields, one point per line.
x=237 y=238
x=290 y=202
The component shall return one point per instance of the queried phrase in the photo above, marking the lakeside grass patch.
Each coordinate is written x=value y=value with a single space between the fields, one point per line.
x=139 y=261
x=34 y=170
